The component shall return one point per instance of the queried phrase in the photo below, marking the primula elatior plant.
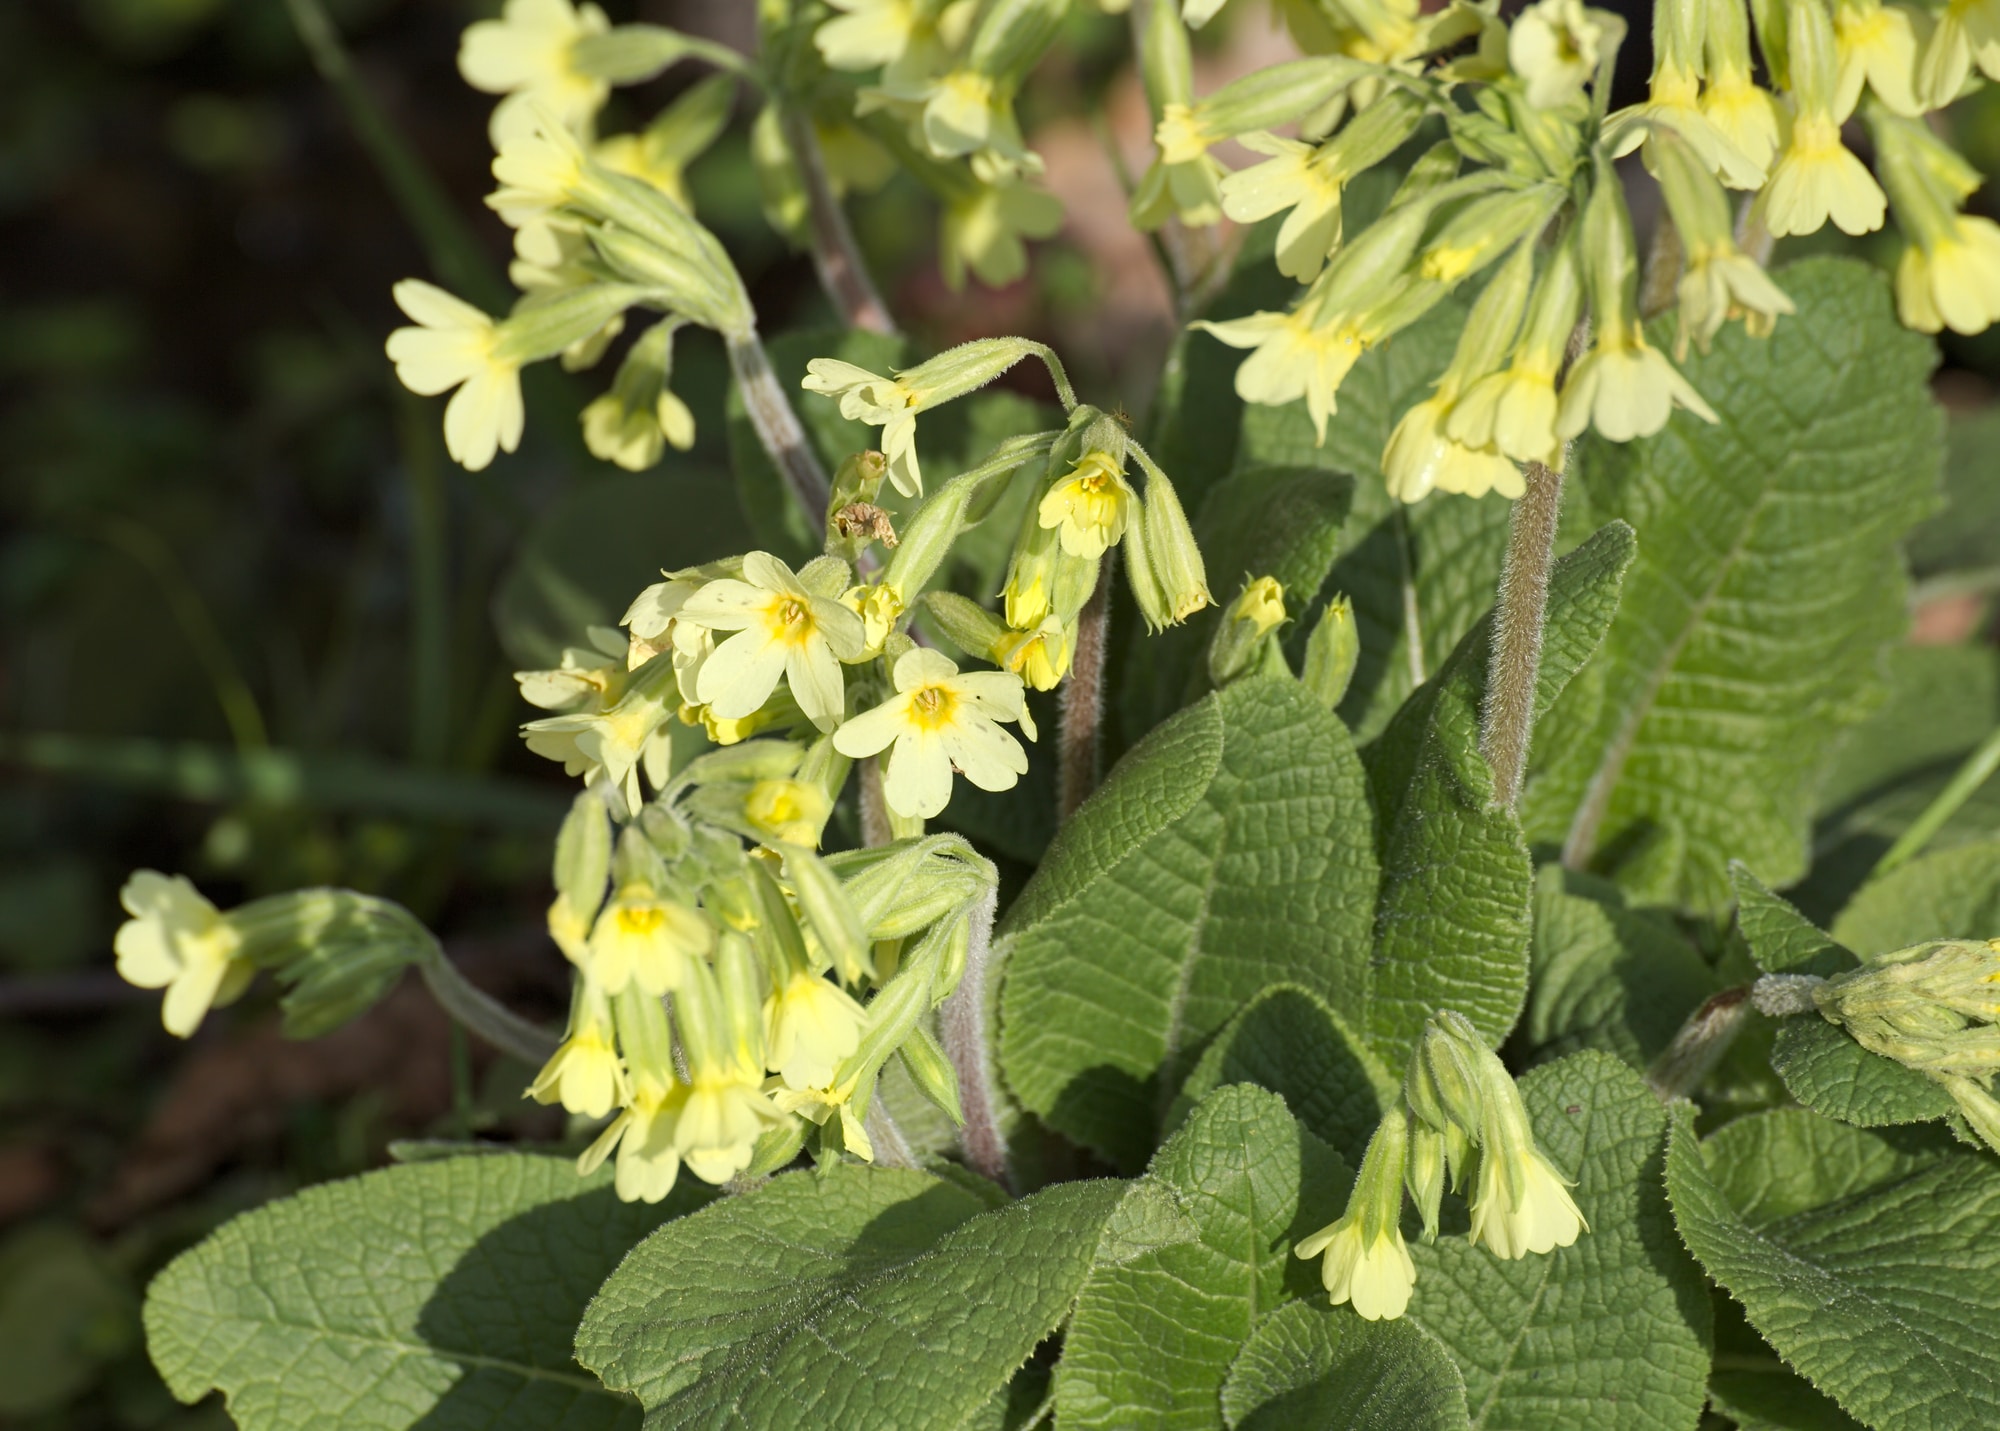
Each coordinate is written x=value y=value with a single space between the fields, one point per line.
x=1472 y=630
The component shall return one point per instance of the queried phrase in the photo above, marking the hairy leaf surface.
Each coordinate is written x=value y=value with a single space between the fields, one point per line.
x=1153 y=1338
x=1229 y=851
x=442 y=1293
x=1311 y=1367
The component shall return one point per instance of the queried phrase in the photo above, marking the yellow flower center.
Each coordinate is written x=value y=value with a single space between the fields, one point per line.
x=933 y=707
x=789 y=620
x=640 y=921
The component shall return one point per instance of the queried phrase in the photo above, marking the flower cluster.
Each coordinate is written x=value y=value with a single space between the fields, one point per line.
x=1460 y=1119
x=729 y=999
x=1934 y=1008
x=1525 y=181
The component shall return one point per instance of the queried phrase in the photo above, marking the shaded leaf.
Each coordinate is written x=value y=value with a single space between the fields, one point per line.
x=1311 y=1367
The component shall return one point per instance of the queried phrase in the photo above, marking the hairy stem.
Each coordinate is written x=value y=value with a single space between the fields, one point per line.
x=836 y=256
x=964 y=1023
x=892 y=1149
x=875 y=829
x=1507 y=722
x=1082 y=719
x=480 y=1012
x=777 y=426
x=1664 y=263
x=1699 y=1046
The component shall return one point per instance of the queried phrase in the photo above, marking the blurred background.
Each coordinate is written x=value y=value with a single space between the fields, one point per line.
x=255 y=628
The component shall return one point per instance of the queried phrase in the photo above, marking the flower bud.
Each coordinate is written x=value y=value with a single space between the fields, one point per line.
x=1170 y=550
x=583 y=856
x=927 y=540
x=931 y=1071
x=1424 y=1174
x=1484 y=229
x=1331 y=653
x=970 y=626
x=1277 y=94
x=1245 y=634
x=830 y=912
x=1443 y=1085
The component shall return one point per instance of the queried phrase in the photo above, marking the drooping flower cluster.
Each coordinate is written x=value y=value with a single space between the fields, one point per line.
x=1461 y=1120
x=1525 y=175
x=726 y=998
x=1935 y=1008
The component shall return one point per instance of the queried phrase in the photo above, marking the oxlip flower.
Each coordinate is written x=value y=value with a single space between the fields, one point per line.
x=528 y=55
x=782 y=630
x=810 y=1025
x=176 y=940
x=1366 y=1261
x=939 y=720
x=1090 y=505
x=454 y=345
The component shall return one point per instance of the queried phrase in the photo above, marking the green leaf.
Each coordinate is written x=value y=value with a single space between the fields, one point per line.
x=1768 y=584
x=601 y=544
x=1453 y=919
x=1779 y=938
x=1152 y=1339
x=1948 y=894
x=1872 y=1271
x=1829 y=1072
x=1311 y=1367
x=1281 y=522
x=872 y=1296
x=1606 y=975
x=1419 y=576
x=1229 y=851
x=1613 y=1332
x=1290 y=1042
x=443 y=1292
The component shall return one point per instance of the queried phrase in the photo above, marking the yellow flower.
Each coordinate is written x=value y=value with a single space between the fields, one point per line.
x=648 y=1160
x=1090 y=505
x=1298 y=177
x=612 y=746
x=1374 y=1273
x=880 y=402
x=810 y=1025
x=1040 y=656
x=982 y=229
x=939 y=720
x=1675 y=102
x=879 y=608
x=1367 y=1262
x=528 y=55
x=1877 y=46
x=1293 y=359
x=1720 y=282
x=787 y=812
x=1744 y=114
x=1520 y=1203
x=584 y=1074
x=1554 y=47
x=782 y=630
x=1626 y=388
x=1512 y=411
x=645 y=940
x=178 y=941
x=1953 y=282
x=1817 y=178
x=867 y=33
x=457 y=346
x=1421 y=455
x=1183 y=179
x=539 y=166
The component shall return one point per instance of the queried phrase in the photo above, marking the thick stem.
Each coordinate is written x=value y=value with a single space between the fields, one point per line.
x=1082 y=719
x=875 y=828
x=836 y=256
x=482 y=1014
x=964 y=1026
x=777 y=426
x=1699 y=1046
x=1507 y=723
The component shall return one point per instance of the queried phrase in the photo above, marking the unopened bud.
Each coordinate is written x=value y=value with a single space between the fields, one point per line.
x=931 y=1071
x=1331 y=653
x=583 y=855
x=1424 y=1174
x=1171 y=551
x=826 y=906
x=969 y=626
x=1278 y=94
x=1245 y=631
x=1445 y=1079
